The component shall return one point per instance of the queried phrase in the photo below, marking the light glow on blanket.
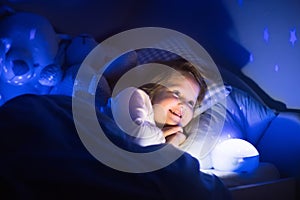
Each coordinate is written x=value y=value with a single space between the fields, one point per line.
x=235 y=155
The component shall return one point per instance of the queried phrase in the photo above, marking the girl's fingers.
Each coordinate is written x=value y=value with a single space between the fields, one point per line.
x=172 y=130
x=176 y=139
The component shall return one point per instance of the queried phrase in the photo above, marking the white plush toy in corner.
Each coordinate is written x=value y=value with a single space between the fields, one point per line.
x=28 y=55
x=235 y=155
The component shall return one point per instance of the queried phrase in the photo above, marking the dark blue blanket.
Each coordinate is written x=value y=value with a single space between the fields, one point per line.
x=42 y=157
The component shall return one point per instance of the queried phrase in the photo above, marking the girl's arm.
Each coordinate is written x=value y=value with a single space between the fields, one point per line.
x=132 y=111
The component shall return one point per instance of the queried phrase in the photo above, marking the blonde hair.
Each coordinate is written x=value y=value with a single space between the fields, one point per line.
x=183 y=67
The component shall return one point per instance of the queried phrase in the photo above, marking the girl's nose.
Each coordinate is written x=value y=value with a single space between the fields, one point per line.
x=181 y=109
x=182 y=103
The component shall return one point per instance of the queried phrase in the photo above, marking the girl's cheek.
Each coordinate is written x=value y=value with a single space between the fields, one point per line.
x=160 y=113
x=188 y=117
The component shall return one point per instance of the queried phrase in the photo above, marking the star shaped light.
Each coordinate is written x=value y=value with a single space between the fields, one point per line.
x=266 y=34
x=251 y=57
x=293 y=37
x=276 y=68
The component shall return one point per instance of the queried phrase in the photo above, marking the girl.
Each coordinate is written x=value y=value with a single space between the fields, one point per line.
x=161 y=109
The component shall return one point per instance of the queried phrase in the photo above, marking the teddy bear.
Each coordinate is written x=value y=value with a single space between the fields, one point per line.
x=29 y=59
x=78 y=47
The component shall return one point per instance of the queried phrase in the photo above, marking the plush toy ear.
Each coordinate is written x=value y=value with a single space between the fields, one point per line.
x=6 y=11
x=79 y=48
x=74 y=52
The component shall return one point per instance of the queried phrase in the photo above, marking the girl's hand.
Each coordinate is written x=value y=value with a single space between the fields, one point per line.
x=174 y=135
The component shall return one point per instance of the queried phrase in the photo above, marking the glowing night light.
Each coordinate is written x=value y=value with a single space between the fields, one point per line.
x=236 y=155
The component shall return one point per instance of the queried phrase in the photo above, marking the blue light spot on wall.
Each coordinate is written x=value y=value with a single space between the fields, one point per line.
x=293 y=37
x=276 y=68
x=251 y=57
x=266 y=34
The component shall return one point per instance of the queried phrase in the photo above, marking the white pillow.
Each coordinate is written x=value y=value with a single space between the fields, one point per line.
x=216 y=93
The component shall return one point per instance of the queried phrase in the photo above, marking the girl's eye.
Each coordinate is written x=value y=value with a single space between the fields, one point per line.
x=176 y=93
x=191 y=103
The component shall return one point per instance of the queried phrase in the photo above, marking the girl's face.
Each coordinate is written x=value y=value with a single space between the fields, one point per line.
x=174 y=104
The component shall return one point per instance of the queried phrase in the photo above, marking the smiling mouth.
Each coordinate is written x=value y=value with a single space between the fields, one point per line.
x=175 y=113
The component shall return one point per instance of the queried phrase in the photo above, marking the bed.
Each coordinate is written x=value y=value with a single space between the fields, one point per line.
x=43 y=156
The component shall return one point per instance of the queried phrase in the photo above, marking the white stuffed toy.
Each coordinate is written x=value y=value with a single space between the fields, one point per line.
x=29 y=63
